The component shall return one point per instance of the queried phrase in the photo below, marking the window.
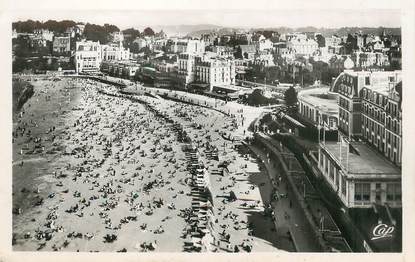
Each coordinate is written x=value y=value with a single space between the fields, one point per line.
x=327 y=166
x=331 y=172
x=362 y=192
x=343 y=180
x=393 y=192
x=378 y=192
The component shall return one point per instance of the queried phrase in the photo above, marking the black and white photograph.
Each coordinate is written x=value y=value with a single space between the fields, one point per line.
x=207 y=130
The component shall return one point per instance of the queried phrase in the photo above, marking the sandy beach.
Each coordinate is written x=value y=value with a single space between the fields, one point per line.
x=94 y=170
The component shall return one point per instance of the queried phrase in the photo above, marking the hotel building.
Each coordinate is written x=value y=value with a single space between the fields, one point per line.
x=357 y=167
x=87 y=56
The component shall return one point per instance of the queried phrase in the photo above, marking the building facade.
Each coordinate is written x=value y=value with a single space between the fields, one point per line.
x=190 y=46
x=349 y=85
x=87 y=56
x=332 y=41
x=360 y=180
x=114 y=51
x=302 y=46
x=215 y=72
x=319 y=108
x=186 y=69
x=61 y=44
x=369 y=59
x=382 y=120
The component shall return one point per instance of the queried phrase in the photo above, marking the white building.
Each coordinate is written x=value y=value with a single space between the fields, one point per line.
x=333 y=41
x=190 y=46
x=186 y=69
x=114 y=51
x=368 y=59
x=215 y=72
x=87 y=56
x=302 y=46
x=45 y=34
x=264 y=44
x=319 y=107
x=117 y=37
x=359 y=175
x=264 y=58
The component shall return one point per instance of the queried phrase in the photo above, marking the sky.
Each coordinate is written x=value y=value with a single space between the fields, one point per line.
x=328 y=18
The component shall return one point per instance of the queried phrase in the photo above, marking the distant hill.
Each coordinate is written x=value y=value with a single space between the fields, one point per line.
x=203 y=29
x=183 y=30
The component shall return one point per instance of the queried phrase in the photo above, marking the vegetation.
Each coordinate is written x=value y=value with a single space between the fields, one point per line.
x=99 y=33
x=30 y=26
x=130 y=35
x=256 y=98
x=290 y=97
x=148 y=32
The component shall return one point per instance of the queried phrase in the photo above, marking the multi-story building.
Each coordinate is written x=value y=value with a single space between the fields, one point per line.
x=208 y=38
x=114 y=51
x=369 y=59
x=215 y=72
x=264 y=58
x=126 y=69
x=222 y=51
x=319 y=107
x=359 y=175
x=186 y=69
x=159 y=44
x=369 y=110
x=205 y=70
x=291 y=36
x=190 y=46
x=264 y=44
x=87 y=56
x=382 y=119
x=45 y=34
x=248 y=51
x=349 y=85
x=61 y=44
x=302 y=46
x=166 y=67
x=333 y=41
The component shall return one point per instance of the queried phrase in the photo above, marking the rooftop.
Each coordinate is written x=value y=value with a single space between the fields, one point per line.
x=366 y=162
x=321 y=98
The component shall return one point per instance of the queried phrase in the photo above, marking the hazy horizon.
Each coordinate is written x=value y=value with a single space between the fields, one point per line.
x=225 y=18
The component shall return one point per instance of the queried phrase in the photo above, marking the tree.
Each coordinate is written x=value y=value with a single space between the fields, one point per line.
x=28 y=26
x=238 y=53
x=321 y=41
x=256 y=98
x=148 y=32
x=351 y=44
x=130 y=34
x=290 y=97
x=96 y=33
x=111 y=28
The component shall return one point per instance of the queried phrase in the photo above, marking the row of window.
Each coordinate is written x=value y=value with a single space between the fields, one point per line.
x=374 y=113
x=362 y=192
x=344 y=103
x=374 y=97
x=333 y=173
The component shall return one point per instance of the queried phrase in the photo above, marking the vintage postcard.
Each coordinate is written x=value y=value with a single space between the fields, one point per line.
x=167 y=132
